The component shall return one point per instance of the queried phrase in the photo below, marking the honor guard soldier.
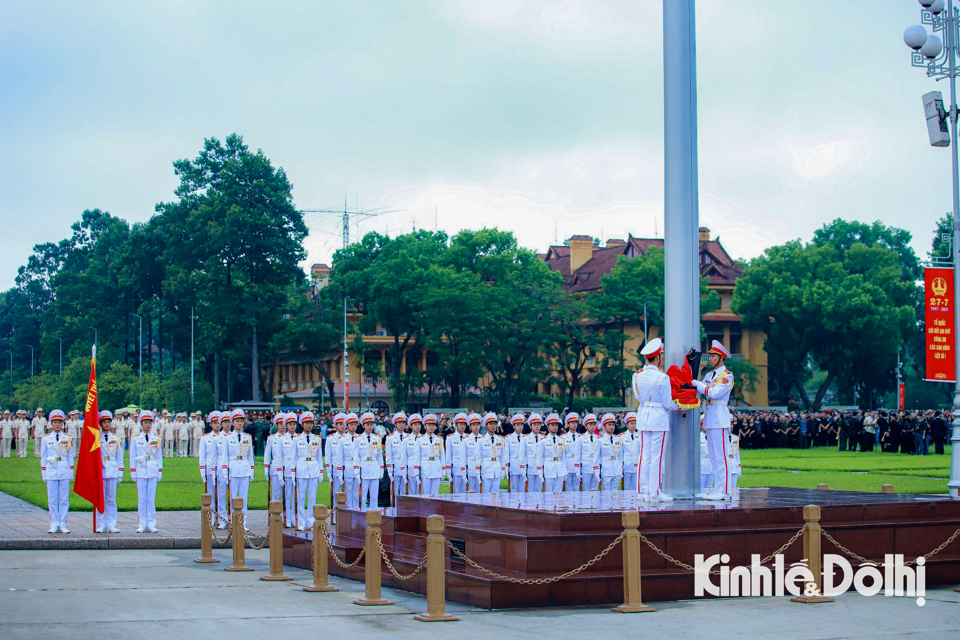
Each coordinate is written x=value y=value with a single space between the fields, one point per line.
x=572 y=452
x=210 y=459
x=533 y=448
x=492 y=464
x=351 y=462
x=39 y=425
x=334 y=454
x=273 y=458
x=611 y=454
x=133 y=424
x=166 y=429
x=513 y=454
x=183 y=435
x=22 y=426
x=715 y=388
x=57 y=453
x=734 y=461
x=472 y=447
x=554 y=458
x=146 y=469
x=590 y=454
x=457 y=454
x=371 y=462
x=111 y=453
x=196 y=432
x=240 y=457
x=72 y=425
x=6 y=433
x=431 y=457
x=706 y=472
x=651 y=387
x=288 y=443
x=395 y=459
x=120 y=428
x=631 y=453
x=309 y=469
x=411 y=455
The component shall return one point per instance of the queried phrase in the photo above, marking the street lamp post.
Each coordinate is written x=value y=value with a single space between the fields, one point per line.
x=140 y=352
x=938 y=55
x=31 y=359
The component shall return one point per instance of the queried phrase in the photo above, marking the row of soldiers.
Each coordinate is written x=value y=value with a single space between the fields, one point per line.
x=179 y=433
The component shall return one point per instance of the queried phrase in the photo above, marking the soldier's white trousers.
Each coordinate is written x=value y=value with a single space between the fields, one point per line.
x=182 y=448
x=195 y=451
x=630 y=481
x=590 y=481
x=534 y=483
x=336 y=485
x=706 y=479
x=352 y=489
x=276 y=487
x=108 y=518
x=6 y=447
x=473 y=483
x=491 y=485
x=368 y=499
x=239 y=488
x=459 y=484
x=653 y=451
x=289 y=504
x=517 y=482
x=718 y=442
x=399 y=485
x=22 y=447
x=431 y=486
x=147 y=503
x=610 y=483
x=572 y=482
x=36 y=447
x=413 y=485
x=554 y=485
x=218 y=490
x=168 y=448
x=58 y=502
x=307 y=490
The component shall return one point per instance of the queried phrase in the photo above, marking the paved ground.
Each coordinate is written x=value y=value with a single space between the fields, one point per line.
x=24 y=526
x=162 y=594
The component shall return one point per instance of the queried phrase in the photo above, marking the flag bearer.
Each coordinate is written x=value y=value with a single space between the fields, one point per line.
x=371 y=462
x=513 y=455
x=611 y=454
x=111 y=452
x=240 y=456
x=715 y=388
x=631 y=453
x=309 y=469
x=57 y=453
x=554 y=458
x=411 y=455
x=146 y=469
x=572 y=452
x=431 y=457
x=651 y=387
x=533 y=448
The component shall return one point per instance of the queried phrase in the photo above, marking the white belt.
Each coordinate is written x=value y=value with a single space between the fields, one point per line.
x=717 y=403
x=650 y=404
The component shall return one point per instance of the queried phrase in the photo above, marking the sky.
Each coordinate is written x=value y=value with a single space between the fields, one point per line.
x=542 y=118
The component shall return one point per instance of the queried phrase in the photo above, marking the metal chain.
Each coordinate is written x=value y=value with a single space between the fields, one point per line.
x=562 y=576
x=326 y=540
x=862 y=560
x=213 y=532
x=666 y=556
x=396 y=574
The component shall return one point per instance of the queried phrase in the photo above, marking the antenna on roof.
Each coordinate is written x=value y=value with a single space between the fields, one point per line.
x=655 y=230
x=555 y=240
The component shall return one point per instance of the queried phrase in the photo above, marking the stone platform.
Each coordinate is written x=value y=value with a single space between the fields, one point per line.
x=537 y=535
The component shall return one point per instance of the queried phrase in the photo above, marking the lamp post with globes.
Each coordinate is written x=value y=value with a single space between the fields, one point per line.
x=938 y=55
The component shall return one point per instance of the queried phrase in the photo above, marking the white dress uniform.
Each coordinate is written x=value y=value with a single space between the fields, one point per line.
x=611 y=462
x=111 y=452
x=6 y=434
x=351 y=465
x=514 y=458
x=572 y=454
x=734 y=460
x=210 y=472
x=651 y=387
x=288 y=447
x=456 y=452
x=631 y=459
x=431 y=462
x=39 y=425
x=57 y=454
x=196 y=432
x=716 y=387
x=411 y=460
x=120 y=427
x=590 y=461
x=706 y=470
x=23 y=436
x=554 y=462
x=533 y=448
x=491 y=462
x=371 y=468
x=334 y=458
x=146 y=469
x=168 y=429
x=71 y=427
x=183 y=438
x=240 y=465
x=396 y=462
x=309 y=475
x=273 y=464
x=471 y=444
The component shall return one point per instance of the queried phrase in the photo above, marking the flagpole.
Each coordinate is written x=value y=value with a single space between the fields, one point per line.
x=93 y=507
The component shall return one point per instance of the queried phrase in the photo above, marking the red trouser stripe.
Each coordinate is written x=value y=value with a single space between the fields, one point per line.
x=640 y=475
x=726 y=471
x=663 y=445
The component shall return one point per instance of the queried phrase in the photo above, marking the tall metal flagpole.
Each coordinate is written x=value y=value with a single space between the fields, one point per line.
x=951 y=41
x=681 y=222
x=192 y=317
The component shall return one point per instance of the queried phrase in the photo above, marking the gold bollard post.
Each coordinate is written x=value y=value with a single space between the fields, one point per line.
x=632 y=602
x=341 y=504
x=436 y=574
x=238 y=538
x=371 y=563
x=812 y=554
x=887 y=488
x=320 y=558
x=206 y=534
x=275 y=532
x=823 y=486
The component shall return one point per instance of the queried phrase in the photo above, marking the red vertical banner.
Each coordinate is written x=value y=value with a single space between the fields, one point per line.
x=939 y=316
x=902 y=397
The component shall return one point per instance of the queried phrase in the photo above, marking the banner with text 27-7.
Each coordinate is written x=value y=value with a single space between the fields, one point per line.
x=940 y=321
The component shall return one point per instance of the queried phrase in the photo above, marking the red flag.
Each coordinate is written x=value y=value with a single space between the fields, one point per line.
x=89 y=482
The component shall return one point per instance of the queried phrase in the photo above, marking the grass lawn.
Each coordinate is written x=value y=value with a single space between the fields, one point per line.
x=181 y=487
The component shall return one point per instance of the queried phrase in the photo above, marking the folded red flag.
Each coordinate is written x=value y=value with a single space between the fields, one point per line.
x=685 y=398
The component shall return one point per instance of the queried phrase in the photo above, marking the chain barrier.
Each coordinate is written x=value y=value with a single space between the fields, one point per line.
x=396 y=574
x=562 y=576
x=213 y=531
x=666 y=556
x=859 y=558
x=326 y=540
x=247 y=534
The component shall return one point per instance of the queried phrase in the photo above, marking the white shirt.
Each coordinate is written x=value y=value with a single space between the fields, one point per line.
x=716 y=388
x=57 y=453
x=111 y=452
x=146 y=457
x=651 y=388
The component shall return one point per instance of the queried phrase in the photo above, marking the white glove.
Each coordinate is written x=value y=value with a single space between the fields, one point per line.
x=51 y=459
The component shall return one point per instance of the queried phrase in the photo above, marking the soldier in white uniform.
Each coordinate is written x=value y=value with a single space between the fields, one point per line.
x=240 y=457
x=651 y=387
x=351 y=462
x=334 y=453
x=133 y=425
x=411 y=455
x=288 y=443
x=39 y=425
x=111 y=453
x=533 y=448
x=590 y=456
x=273 y=458
x=706 y=471
x=492 y=464
x=716 y=387
x=631 y=453
x=456 y=452
x=431 y=457
x=6 y=433
x=472 y=447
x=572 y=452
x=146 y=469
x=196 y=432
x=611 y=454
x=554 y=457
x=309 y=469
x=120 y=429
x=183 y=435
x=395 y=459
x=371 y=462
x=57 y=453
x=168 y=430
x=513 y=454
x=734 y=461
x=22 y=426
x=72 y=425
x=211 y=454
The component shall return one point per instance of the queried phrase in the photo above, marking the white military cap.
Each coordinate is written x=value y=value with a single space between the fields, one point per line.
x=719 y=349
x=652 y=349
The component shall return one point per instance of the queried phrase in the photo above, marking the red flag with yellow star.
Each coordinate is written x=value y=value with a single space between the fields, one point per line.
x=89 y=481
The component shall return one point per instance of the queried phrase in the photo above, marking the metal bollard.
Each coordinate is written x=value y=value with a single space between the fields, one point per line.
x=436 y=574
x=812 y=554
x=371 y=563
x=206 y=533
x=823 y=486
x=238 y=538
x=887 y=488
x=320 y=558
x=275 y=531
x=631 y=566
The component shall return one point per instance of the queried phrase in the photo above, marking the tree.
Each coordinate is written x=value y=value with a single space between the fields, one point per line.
x=577 y=342
x=843 y=235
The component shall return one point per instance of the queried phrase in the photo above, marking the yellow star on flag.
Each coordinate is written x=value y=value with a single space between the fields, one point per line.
x=96 y=438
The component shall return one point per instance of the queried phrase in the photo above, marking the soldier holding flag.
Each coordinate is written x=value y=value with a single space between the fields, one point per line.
x=89 y=483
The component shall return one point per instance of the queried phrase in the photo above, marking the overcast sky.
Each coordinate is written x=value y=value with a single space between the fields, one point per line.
x=544 y=118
